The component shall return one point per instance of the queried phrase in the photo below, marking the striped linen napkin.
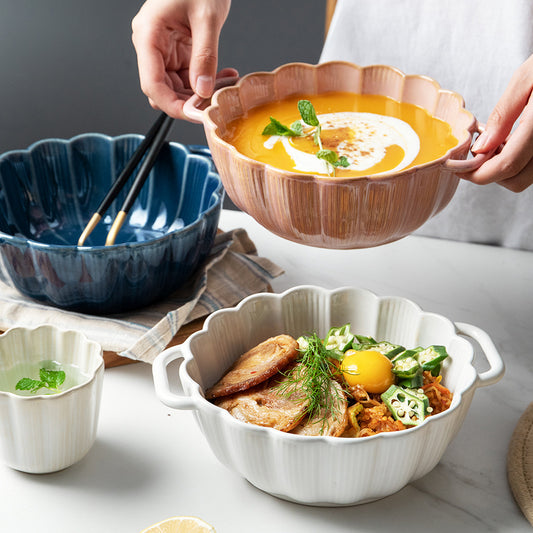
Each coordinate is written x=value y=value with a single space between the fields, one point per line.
x=231 y=272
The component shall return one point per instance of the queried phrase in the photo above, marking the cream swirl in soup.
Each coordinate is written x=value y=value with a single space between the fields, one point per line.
x=363 y=138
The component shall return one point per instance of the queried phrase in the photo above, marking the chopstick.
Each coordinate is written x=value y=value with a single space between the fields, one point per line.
x=146 y=166
x=152 y=144
x=153 y=140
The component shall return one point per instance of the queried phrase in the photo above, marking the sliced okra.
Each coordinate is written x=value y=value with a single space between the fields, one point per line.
x=406 y=367
x=430 y=358
x=409 y=407
x=388 y=349
x=339 y=339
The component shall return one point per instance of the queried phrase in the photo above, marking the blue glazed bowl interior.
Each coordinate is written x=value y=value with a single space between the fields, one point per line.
x=49 y=192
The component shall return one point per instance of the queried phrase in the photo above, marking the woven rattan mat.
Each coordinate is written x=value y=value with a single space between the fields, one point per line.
x=520 y=463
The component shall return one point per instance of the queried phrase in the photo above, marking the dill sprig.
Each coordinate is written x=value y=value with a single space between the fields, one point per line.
x=312 y=381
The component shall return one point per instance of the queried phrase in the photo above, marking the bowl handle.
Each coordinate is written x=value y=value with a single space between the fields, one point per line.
x=191 y=109
x=469 y=165
x=162 y=385
x=194 y=106
x=497 y=368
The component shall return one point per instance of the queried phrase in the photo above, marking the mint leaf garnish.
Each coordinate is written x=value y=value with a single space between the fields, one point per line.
x=275 y=127
x=309 y=117
x=297 y=127
x=32 y=385
x=53 y=378
x=308 y=113
x=343 y=162
x=332 y=158
x=50 y=379
x=328 y=155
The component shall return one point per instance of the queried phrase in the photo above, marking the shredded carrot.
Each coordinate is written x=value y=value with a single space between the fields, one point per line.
x=440 y=398
x=376 y=418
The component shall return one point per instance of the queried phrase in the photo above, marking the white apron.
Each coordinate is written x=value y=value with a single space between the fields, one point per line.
x=469 y=46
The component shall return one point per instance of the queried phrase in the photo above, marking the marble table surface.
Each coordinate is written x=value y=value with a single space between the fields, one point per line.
x=150 y=462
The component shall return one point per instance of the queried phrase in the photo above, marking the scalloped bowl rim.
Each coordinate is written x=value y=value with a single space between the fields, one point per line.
x=337 y=179
x=273 y=433
x=71 y=390
x=108 y=249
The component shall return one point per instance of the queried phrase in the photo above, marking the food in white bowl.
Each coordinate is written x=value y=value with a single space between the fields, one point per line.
x=50 y=389
x=279 y=462
x=344 y=385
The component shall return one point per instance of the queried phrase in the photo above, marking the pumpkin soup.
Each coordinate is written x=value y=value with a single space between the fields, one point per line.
x=370 y=134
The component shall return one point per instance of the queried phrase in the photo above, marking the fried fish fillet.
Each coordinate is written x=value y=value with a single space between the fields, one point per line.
x=331 y=423
x=256 y=366
x=265 y=405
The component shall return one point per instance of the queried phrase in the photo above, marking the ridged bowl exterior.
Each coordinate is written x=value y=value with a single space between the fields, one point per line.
x=47 y=433
x=49 y=192
x=324 y=471
x=331 y=212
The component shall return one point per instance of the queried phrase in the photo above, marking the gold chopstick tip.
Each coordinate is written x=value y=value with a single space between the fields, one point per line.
x=89 y=228
x=115 y=228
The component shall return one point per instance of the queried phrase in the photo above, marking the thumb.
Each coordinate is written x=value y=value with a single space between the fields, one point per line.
x=504 y=115
x=204 y=56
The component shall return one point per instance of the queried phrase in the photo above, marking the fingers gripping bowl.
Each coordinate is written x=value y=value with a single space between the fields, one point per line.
x=337 y=212
x=279 y=463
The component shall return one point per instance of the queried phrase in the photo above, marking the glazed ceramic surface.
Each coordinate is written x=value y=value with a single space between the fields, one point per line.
x=45 y=433
x=324 y=470
x=334 y=212
x=49 y=192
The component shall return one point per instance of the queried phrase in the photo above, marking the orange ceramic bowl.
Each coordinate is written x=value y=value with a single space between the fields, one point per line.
x=335 y=212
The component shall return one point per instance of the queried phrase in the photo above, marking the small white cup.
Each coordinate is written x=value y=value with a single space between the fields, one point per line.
x=49 y=432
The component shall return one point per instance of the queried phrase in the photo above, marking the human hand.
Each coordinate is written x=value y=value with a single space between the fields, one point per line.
x=512 y=164
x=176 y=42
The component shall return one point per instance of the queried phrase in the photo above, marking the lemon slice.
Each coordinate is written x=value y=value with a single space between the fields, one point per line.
x=181 y=524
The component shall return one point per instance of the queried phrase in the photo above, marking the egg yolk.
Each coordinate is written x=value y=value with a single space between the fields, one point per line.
x=368 y=368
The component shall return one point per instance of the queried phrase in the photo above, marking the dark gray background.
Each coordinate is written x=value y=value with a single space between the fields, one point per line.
x=68 y=66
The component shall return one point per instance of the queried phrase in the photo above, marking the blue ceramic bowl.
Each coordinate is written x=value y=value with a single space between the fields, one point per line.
x=49 y=192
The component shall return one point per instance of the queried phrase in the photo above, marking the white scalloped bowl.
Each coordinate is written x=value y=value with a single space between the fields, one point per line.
x=324 y=471
x=337 y=212
x=46 y=433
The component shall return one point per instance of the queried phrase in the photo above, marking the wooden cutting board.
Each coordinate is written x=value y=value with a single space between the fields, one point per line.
x=113 y=359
